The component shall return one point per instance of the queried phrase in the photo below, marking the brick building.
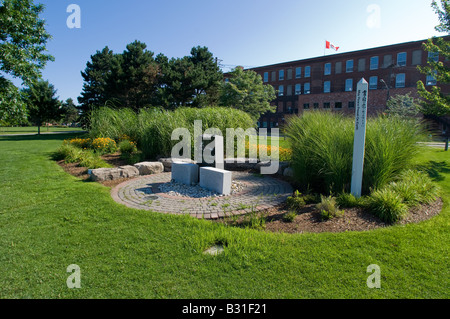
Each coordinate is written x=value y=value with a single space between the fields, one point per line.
x=329 y=82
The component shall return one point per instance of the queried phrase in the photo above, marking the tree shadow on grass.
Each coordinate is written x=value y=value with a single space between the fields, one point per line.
x=43 y=137
x=435 y=170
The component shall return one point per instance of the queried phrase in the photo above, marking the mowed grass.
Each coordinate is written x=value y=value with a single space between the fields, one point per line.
x=34 y=129
x=50 y=220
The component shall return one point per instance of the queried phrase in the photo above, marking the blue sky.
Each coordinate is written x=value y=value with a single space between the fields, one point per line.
x=245 y=32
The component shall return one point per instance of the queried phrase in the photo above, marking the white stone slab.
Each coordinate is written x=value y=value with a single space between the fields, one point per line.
x=185 y=173
x=215 y=179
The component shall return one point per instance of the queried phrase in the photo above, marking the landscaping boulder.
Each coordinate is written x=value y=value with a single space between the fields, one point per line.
x=149 y=168
x=105 y=174
x=128 y=171
x=167 y=162
x=110 y=174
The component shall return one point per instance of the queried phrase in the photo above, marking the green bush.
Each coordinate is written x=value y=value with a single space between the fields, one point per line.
x=127 y=147
x=328 y=208
x=295 y=203
x=388 y=205
x=415 y=188
x=322 y=150
x=347 y=200
x=289 y=216
x=152 y=128
x=84 y=158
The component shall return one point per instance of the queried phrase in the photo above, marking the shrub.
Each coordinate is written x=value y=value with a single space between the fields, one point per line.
x=83 y=143
x=152 y=128
x=415 y=188
x=328 y=208
x=92 y=160
x=85 y=158
x=347 y=200
x=295 y=203
x=127 y=147
x=387 y=205
x=322 y=150
x=104 y=145
x=289 y=216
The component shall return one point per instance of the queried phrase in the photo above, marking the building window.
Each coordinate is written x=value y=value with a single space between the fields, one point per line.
x=307 y=72
x=387 y=60
x=431 y=80
x=298 y=89
x=338 y=105
x=316 y=105
x=401 y=59
x=361 y=65
x=264 y=124
x=349 y=85
x=281 y=90
x=338 y=68
x=326 y=87
x=327 y=68
x=298 y=73
x=266 y=77
x=289 y=90
x=326 y=105
x=374 y=61
x=373 y=83
x=289 y=74
x=417 y=57
x=349 y=66
x=433 y=56
x=274 y=76
x=400 y=80
x=351 y=104
x=307 y=88
x=281 y=75
x=306 y=106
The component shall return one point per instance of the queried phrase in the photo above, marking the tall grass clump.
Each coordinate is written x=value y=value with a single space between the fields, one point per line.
x=152 y=128
x=322 y=150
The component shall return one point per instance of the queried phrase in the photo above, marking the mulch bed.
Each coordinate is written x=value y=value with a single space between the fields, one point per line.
x=354 y=219
x=308 y=220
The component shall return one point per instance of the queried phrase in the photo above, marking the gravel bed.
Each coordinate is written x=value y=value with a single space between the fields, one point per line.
x=177 y=189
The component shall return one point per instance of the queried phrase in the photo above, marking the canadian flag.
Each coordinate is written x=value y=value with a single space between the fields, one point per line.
x=329 y=45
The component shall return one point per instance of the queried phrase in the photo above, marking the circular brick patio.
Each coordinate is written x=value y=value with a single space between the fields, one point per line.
x=260 y=192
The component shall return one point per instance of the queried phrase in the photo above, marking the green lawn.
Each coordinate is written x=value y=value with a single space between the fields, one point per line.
x=50 y=220
x=34 y=129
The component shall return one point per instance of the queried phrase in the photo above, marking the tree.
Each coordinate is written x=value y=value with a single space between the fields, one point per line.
x=437 y=103
x=133 y=79
x=403 y=105
x=12 y=108
x=22 y=39
x=193 y=80
x=43 y=105
x=95 y=78
x=69 y=111
x=246 y=91
x=22 y=53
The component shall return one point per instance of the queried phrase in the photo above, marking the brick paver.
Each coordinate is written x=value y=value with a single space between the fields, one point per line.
x=259 y=193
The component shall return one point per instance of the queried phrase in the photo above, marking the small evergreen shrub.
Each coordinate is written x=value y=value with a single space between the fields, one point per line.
x=289 y=216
